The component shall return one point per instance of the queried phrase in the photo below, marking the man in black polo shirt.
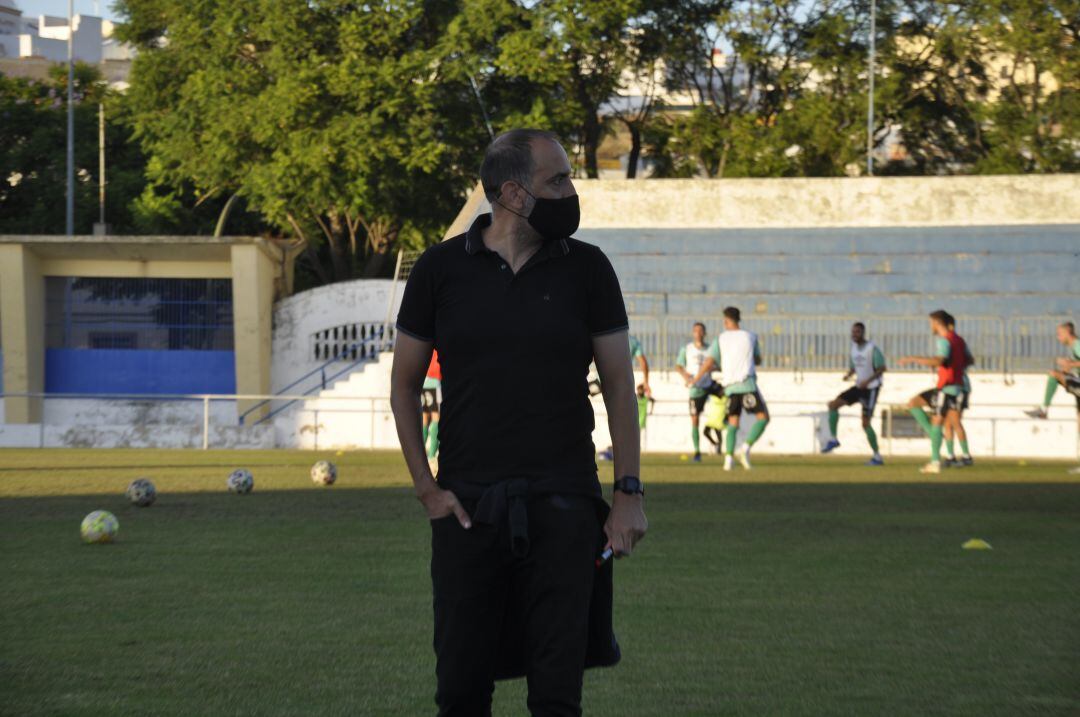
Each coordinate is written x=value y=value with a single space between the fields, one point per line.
x=517 y=517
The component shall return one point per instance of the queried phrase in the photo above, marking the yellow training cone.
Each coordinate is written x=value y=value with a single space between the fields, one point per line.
x=976 y=544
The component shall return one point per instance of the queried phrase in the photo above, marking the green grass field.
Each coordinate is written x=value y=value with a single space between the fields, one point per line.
x=809 y=587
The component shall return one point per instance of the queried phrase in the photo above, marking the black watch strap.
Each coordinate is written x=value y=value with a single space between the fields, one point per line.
x=631 y=485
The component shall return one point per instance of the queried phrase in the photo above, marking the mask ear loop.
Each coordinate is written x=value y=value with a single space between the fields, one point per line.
x=499 y=195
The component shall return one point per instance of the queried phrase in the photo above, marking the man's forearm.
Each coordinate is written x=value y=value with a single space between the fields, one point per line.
x=407 y=419
x=622 y=423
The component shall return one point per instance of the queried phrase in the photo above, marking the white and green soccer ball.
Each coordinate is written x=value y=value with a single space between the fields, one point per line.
x=141 y=492
x=101 y=526
x=240 y=481
x=323 y=473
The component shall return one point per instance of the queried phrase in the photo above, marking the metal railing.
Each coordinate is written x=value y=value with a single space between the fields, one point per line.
x=310 y=427
x=821 y=343
x=366 y=349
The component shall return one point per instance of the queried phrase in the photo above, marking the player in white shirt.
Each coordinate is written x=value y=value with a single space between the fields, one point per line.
x=867 y=365
x=691 y=357
x=738 y=354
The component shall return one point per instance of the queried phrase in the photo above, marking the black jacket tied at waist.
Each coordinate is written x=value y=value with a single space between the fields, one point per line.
x=508 y=501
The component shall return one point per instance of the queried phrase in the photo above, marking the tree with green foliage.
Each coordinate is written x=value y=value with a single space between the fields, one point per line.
x=33 y=161
x=331 y=120
x=989 y=87
x=747 y=67
x=576 y=51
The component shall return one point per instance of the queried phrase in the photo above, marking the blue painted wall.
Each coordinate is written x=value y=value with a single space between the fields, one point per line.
x=139 y=371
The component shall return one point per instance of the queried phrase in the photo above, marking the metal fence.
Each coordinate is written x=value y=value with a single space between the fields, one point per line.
x=138 y=313
x=822 y=343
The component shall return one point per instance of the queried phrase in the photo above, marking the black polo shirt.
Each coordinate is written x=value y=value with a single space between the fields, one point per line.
x=515 y=353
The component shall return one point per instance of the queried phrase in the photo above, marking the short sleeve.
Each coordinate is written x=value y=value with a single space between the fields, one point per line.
x=1076 y=349
x=757 y=349
x=879 y=358
x=635 y=348
x=943 y=349
x=714 y=351
x=416 y=317
x=680 y=360
x=606 y=311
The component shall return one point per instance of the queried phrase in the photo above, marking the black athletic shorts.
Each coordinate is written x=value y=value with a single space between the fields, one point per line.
x=429 y=400
x=749 y=402
x=1072 y=385
x=697 y=403
x=942 y=402
x=866 y=396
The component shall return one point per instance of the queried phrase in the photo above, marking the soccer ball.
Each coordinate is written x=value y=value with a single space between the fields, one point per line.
x=101 y=526
x=323 y=473
x=141 y=492
x=240 y=481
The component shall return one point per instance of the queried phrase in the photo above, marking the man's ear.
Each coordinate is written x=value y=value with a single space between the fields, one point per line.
x=513 y=196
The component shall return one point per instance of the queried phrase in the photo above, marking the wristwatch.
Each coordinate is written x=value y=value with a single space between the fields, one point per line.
x=631 y=485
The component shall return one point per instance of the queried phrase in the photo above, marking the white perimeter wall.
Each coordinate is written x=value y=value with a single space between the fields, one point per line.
x=356 y=414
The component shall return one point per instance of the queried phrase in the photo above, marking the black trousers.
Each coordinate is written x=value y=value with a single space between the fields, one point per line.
x=486 y=598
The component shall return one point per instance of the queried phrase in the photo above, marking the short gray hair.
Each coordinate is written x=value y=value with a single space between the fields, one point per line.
x=509 y=158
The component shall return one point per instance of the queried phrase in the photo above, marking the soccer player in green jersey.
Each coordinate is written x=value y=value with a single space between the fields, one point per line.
x=636 y=354
x=738 y=354
x=1067 y=374
x=950 y=361
x=645 y=405
x=688 y=363
x=867 y=365
x=716 y=421
x=951 y=432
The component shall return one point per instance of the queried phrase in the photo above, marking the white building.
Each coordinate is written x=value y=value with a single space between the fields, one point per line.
x=46 y=37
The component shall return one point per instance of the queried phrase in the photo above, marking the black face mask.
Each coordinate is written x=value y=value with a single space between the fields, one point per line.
x=553 y=219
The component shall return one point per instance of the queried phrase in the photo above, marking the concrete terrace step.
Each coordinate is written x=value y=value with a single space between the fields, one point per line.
x=1018 y=240
x=818 y=265
x=849 y=285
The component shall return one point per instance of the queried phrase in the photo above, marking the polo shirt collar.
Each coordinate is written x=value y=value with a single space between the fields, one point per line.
x=474 y=239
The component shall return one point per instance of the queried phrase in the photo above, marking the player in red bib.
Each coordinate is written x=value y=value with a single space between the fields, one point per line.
x=429 y=404
x=947 y=398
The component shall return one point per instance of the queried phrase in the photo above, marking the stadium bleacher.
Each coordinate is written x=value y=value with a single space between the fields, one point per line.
x=800 y=288
x=998 y=271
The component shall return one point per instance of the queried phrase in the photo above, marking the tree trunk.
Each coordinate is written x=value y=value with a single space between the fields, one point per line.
x=592 y=143
x=381 y=238
x=339 y=247
x=635 y=150
x=723 y=159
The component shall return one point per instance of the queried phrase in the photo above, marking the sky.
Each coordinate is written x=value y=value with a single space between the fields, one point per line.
x=60 y=8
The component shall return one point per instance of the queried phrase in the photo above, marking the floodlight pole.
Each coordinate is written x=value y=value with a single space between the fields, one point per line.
x=101 y=164
x=69 y=222
x=870 y=98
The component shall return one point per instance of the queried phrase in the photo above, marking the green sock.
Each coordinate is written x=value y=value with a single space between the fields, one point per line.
x=949 y=448
x=756 y=430
x=872 y=437
x=1051 y=387
x=935 y=444
x=922 y=419
x=425 y=435
x=433 y=438
x=834 y=421
x=964 y=448
x=732 y=435
x=695 y=436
